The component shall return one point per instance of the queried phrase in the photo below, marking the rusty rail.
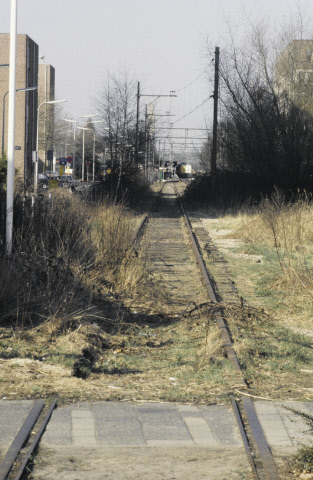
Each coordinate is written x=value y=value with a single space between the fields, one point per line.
x=247 y=409
x=21 y=439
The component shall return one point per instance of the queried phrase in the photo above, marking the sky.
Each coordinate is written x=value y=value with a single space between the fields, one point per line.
x=161 y=43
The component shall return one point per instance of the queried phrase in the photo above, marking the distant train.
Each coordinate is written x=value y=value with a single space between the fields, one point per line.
x=183 y=170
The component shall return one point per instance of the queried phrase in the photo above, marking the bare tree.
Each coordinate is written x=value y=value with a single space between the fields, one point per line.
x=117 y=106
x=265 y=133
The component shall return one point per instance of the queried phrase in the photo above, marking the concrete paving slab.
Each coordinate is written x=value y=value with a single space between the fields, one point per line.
x=12 y=416
x=53 y=440
x=200 y=432
x=118 y=429
x=222 y=422
x=85 y=440
x=130 y=424
x=59 y=429
x=170 y=443
x=308 y=407
x=83 y=413
x=283 y=428
x=151 y=425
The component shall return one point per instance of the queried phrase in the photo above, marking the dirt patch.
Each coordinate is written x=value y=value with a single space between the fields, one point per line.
x=133 y=463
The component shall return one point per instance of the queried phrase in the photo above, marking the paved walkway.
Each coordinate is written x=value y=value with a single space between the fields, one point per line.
x=151 y=424
x=137 y=441
x=155 y=424
x=12 y=416
x=285 y=430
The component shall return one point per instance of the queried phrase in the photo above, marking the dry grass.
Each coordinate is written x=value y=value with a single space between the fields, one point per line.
x=57 y=302
x=74 y=290
x=274 y=349
x=155 y=360
x=279 y=223
x=69 y=256
x=276 y=361
x=284 y=230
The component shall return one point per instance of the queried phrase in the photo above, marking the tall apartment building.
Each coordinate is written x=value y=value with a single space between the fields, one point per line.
x=26 y=102
x=46 y=92
x=294 y=73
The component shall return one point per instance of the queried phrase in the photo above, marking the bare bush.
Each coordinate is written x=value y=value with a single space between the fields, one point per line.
x=65 y=250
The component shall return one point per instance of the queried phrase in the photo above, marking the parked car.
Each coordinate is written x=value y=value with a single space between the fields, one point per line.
x=65 y=180
x=43 y=180
x=52 y=175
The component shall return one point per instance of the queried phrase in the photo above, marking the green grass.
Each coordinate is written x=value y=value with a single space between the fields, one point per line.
x=272 y=356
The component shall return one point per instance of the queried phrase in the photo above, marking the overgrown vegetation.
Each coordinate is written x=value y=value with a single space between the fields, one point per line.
x=271 y=355
x=232 y=190
x=82 y=317
x=302 y=462
x=269 y=251
x=65 y=252
x=76 y=303
x=265 y=128
x=133 y=189
x=269 y=247
x=286 y=228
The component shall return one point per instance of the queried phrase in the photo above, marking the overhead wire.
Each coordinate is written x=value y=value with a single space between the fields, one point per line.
x=183 y=89
x=192 y=82
x=196 y=108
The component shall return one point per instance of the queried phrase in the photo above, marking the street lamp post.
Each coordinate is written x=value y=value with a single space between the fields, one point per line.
x=94 y=148
x=75 y=126
x=94 y=143
x=51 y=102
x=83 y=128
x=26 y=89
x=11 y=129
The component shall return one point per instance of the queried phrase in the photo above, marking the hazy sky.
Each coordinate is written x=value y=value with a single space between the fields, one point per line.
x=160 y=42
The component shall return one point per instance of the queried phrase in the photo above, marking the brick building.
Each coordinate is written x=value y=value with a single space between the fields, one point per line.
x=26 y=102
x=294 y=73
x=46 y=92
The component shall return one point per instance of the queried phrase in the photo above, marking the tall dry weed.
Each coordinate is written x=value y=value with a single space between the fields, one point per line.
x=63 y=248
x=287 y=227
x=112 y=233
x=51 y=244
x=126 y=268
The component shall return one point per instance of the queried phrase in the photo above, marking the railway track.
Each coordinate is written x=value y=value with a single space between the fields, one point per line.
x=176 y=260
x=24 y=445
x=172 y=263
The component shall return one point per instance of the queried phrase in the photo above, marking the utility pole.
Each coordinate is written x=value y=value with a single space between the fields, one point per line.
x=137 y=124
x=172 y=94
x=159 y=155
x=147 y=133
x=214 y=143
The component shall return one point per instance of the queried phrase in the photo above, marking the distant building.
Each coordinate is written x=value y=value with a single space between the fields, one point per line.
x=46 y=92
x=26 y=102
x=294 y=73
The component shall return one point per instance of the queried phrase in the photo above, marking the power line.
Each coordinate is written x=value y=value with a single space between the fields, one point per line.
x=193 y=81
x=206 y=100
x=184 y=138
x=184 y=128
